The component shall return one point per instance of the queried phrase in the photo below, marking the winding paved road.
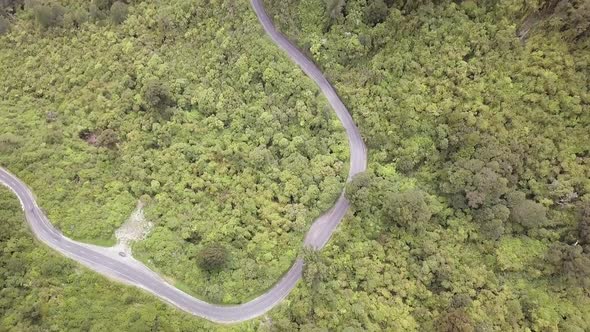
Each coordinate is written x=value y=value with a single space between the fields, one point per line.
x=130 y=271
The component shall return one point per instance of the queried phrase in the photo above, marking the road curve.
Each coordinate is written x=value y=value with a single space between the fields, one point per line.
x=107 y=262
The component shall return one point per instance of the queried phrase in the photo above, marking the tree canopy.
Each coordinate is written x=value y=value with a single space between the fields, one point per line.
x=472 y=215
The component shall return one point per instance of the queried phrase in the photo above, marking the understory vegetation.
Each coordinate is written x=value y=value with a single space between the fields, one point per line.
x=474 y=214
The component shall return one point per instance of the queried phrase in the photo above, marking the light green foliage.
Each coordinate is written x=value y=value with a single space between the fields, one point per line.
x=519 y=254
x=477 y=143
x=227 y=138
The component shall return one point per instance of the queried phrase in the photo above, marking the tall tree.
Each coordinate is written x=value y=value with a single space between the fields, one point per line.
x=119 y=12
x=408 y=208
x=213 y=257
x=529 y=214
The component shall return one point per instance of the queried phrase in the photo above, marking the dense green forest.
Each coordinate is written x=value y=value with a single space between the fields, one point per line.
x=42 y=291
x=204 y=119
x=474 y=214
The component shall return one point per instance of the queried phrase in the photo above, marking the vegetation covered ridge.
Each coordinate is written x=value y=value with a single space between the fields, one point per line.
x=213 y=257
x=473 y=215
x=227 y=143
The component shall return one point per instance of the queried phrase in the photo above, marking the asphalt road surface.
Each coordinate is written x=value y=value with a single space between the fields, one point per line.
x=130 y=271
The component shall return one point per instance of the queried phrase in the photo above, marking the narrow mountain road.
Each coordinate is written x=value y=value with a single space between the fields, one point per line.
x=130 y=271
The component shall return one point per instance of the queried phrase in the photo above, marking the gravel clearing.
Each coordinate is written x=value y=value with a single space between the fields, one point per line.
x=136 y=228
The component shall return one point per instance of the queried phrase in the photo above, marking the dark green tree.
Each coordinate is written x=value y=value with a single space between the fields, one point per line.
x=103 y=5
x=407 y=208
x=108 y=139
x=119 y=11
x=54 y=135
x=75 y=18
x=315 y=270
x=95 y=14
x=571 y=262
x=213 y=257
x=584 y=224
x=156 y=97
x=570 y=17
x=4 y=26
x=11 y=6
x=50 y=15
x=315 y=275
x=359 y=191
x=334 y=8
x=376 y=12
x=528 y=214
x=9 y=141
x=455 y=321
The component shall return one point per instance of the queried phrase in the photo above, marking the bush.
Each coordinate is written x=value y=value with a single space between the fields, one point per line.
x=119 y=12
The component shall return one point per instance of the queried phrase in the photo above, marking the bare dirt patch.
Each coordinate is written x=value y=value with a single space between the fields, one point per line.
x=136 y=228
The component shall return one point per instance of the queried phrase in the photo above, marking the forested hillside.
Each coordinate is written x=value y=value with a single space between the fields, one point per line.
x=474 y=214
x=201 y=117
x=42 y=291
